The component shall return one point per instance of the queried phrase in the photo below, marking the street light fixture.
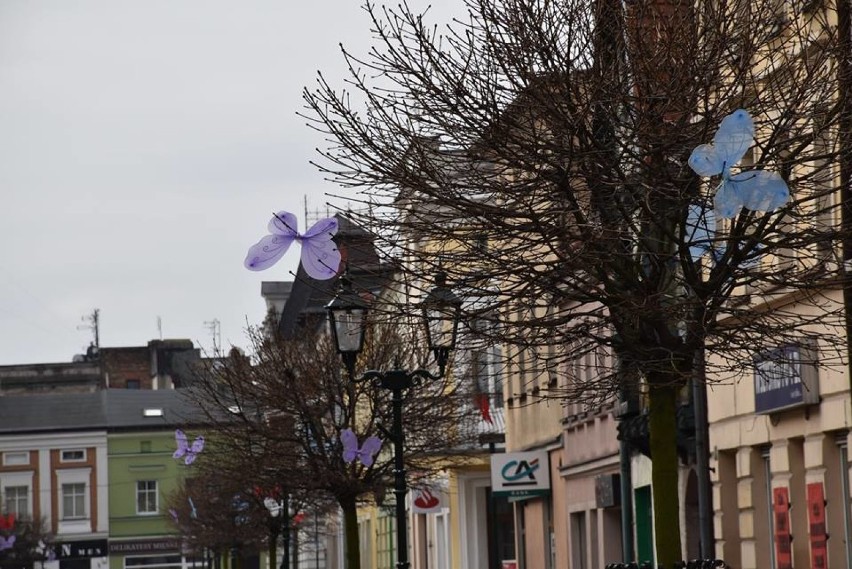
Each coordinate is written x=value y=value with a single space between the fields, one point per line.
x=348 y=318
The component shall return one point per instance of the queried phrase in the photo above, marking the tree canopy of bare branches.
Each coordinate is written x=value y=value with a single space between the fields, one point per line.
x=287 y=408
x=537 y=152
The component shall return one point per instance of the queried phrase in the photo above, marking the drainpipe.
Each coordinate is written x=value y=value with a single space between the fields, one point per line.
x=626 y=479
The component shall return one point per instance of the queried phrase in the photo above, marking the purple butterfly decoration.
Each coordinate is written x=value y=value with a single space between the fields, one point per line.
x=184 y=449
x=367 y=451
x=7 y=542
x=46 y=551
x=174 y=514
x=320 y=256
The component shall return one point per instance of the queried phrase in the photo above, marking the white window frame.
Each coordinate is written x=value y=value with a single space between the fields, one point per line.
x=25 y=513
x=74 y=476
x=16 y=458
x=74 y=497
x=63 y=458
x=18 y=479
x=146 y=491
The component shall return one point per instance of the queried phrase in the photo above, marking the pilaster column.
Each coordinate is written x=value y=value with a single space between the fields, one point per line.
x=745 y=507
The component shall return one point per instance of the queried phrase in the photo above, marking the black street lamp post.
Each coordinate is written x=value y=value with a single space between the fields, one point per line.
x=347 y=315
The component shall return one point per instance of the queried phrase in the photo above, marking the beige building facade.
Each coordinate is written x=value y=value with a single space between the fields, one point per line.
x=779 y=441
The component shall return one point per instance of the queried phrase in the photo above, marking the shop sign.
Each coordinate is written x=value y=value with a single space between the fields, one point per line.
x=428 y=500
x=781 y=517
x=520 y=474
x=145 y=546
x=81 y=549
x=784 y=378
x=816 y=521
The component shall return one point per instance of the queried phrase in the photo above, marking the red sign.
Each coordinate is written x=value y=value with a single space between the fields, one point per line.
x=428 y=500
x=816 y=520
x=781 y=513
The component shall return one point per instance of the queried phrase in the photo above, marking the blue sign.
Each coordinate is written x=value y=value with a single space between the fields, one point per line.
x=782 y=380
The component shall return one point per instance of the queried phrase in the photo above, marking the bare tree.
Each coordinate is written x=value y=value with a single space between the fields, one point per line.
x=537 y=151
x=285 y=412
x=26 y=542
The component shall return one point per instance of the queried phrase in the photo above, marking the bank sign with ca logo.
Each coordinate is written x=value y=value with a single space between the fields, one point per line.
x=520 y=474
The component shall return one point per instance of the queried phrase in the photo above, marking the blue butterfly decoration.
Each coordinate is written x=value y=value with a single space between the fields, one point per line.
x=701 y=232
x=757 y=190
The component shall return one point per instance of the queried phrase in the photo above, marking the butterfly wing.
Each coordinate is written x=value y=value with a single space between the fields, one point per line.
x=706 y=161
x=350 y=445
x=728 y=200
x=700 y=230
x=369 y=449
x=182 y=446
x=267 y=252
x=283 y=223
x=761 y=190
x=320 y=256
x=734 y=137
x=198 y=445
x=320 y=259
x=193 y=513
x=7 y=542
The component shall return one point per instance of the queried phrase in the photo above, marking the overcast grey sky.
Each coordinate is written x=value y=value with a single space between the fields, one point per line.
x=143 y=147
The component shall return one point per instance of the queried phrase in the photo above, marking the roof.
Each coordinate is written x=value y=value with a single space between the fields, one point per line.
x=305 y=306
x=115 y=409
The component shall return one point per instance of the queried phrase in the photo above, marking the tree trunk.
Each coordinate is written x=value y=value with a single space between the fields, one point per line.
x=662 y=419
x=350 y=532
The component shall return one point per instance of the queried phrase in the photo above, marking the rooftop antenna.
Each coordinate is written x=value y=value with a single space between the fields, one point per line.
x=215 y=328
x=93 y=325
x=160 y=327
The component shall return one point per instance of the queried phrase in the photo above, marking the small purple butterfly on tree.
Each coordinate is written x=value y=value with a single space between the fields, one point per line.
x=173 y=513
x=45 y=551
x=351 y=451
x=320 y=256
x=184 y=449
x=7 y=542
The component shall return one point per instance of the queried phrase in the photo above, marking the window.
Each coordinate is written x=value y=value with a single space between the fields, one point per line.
x=74 y=501
x=16 y=500
x=77 y=455
x=365 y=531
x=16 y=458
x=132 y=384
x=578 y=540
x=385 y=542
x=146 y=497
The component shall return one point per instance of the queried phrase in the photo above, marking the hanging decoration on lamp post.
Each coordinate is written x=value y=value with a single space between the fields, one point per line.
x=347 y=314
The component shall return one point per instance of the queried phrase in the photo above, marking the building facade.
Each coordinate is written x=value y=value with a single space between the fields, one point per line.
x=779 y=455
x=96 y=470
